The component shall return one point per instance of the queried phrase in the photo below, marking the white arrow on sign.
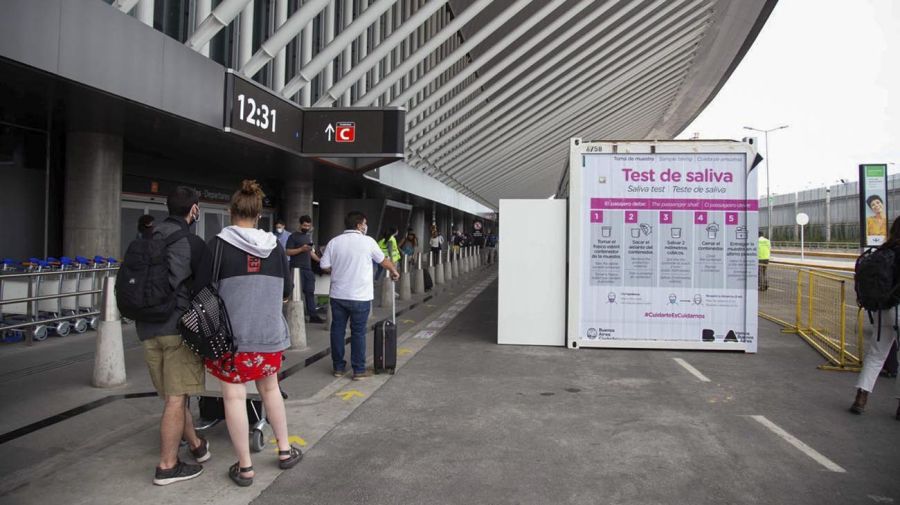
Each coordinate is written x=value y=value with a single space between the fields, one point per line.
x=329 y=131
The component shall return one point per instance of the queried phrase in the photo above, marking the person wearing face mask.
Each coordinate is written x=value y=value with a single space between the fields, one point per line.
x=301 y=250
x=349 y=258
x=281 y=234
x=175 y=370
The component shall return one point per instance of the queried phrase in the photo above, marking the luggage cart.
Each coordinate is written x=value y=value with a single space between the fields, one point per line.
x=70 y=284
x=255 y=412
x=15 y=288
x=51 y=287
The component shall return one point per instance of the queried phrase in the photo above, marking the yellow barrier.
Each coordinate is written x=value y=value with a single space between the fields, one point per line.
x=814 y=305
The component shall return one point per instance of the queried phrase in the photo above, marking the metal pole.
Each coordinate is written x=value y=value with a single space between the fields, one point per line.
x=768 y=194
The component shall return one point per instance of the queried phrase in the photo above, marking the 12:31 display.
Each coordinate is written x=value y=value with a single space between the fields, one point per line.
x=262 y=116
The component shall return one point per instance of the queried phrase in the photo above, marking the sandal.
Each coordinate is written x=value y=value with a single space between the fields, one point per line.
x=294 y=457
x=235 y=473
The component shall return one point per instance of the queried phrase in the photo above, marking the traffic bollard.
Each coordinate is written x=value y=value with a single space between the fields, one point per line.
x=454 y=266
x=419 y=277
x=109 y=360
x=450 y=269
x=437 y=271
x=294 y=312
x=387 y=291
x=405 y=281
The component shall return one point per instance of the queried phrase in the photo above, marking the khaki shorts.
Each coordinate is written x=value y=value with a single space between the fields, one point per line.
x=174 y=369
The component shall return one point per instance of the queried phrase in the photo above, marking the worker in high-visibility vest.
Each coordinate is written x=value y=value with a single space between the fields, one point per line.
x=388 y=245
x=764 y=251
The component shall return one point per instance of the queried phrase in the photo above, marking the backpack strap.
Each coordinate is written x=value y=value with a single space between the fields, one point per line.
x=175 y=237
x=217 y=263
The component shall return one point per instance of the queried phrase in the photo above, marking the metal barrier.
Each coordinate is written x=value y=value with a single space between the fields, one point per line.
x=66 y=298
x=814 y=305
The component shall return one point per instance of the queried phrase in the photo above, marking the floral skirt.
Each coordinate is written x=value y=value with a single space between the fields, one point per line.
x=248 y=366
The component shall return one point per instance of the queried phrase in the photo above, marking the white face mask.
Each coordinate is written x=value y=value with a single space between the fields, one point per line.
x=279 y=229
x=364 y=230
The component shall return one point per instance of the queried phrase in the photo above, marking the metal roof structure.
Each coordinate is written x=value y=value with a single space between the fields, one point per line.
x=495 y=88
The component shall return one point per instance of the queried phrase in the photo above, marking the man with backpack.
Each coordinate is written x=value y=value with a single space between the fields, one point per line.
x=877 y=283
x=154 y=289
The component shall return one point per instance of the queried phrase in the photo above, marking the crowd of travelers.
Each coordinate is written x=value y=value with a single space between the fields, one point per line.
x=248 y=271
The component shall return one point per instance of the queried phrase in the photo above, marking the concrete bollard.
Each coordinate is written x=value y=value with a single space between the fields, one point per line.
x=437 y=271
x=469 y=266
x=419 y=277
x=387 y=291
x=454 y=265
x=109 y=360
x=405 y=281
x=450 y=267
x=294 y=312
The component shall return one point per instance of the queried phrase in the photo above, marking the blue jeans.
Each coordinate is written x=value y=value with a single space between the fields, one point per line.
x=358 y=314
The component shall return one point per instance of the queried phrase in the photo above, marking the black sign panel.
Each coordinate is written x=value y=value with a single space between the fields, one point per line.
x=253 y=111
x=354 y=132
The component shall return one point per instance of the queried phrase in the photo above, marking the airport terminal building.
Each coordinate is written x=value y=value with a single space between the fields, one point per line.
x=107 y=105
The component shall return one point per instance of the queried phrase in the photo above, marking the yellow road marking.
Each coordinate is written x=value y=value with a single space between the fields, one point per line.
x=349 y=394
x=293 y=439
x=403 y=351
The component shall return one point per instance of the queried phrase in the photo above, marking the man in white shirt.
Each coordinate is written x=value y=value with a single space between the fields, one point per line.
x=348 y=257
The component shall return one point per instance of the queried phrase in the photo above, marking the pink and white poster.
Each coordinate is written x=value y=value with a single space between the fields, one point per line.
x=664 y=249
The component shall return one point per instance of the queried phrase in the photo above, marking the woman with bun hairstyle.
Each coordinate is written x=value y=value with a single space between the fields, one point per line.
x=253 y=281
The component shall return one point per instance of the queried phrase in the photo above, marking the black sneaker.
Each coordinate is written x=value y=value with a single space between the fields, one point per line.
x=201 y=454
x=179 y=472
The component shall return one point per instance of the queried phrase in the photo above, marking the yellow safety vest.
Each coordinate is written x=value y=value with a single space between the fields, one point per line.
x=764 y=248
x=394 y=253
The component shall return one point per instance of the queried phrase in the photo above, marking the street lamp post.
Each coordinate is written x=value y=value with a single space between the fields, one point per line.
x=768 y=194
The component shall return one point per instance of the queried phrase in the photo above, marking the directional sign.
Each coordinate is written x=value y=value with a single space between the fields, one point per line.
x=353 y=132
x=255 y=112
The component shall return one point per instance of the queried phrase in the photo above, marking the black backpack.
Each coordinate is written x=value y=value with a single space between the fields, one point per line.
x=143 y=292
x=876 y=280
x=205 y=326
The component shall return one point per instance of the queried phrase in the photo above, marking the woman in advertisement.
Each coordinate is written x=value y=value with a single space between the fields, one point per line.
x=876 y=224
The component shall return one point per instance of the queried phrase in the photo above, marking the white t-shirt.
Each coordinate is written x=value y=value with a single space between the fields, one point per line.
x=350 y=256
x=436 y=241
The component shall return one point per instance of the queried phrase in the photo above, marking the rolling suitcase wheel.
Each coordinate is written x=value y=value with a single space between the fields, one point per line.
x=257 y=440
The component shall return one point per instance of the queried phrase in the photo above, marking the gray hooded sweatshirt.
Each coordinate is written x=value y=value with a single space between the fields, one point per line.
x=253 y=281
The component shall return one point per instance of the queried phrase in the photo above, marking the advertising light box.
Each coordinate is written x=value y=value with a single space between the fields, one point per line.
x=662 y=245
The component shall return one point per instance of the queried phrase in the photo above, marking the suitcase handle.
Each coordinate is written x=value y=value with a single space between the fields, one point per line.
x=393 y=304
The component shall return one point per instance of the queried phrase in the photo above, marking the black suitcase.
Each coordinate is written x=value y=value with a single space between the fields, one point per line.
x=386 y=342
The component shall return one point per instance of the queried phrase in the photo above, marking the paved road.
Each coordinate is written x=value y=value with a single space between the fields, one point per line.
x=467 y=421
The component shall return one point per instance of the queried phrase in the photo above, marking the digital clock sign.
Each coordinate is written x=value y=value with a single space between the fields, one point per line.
x=253 y=111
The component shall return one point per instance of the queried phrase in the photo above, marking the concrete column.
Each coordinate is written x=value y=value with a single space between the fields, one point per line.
x=298 y=199
x=245 y=41
x=144 y=12
x=93 y=189
x=204 y=8
x=281 y=10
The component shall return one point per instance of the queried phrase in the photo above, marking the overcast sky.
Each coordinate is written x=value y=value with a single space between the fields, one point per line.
x=831 y=70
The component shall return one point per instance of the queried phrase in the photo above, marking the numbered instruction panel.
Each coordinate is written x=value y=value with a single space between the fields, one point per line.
x=663 y=245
